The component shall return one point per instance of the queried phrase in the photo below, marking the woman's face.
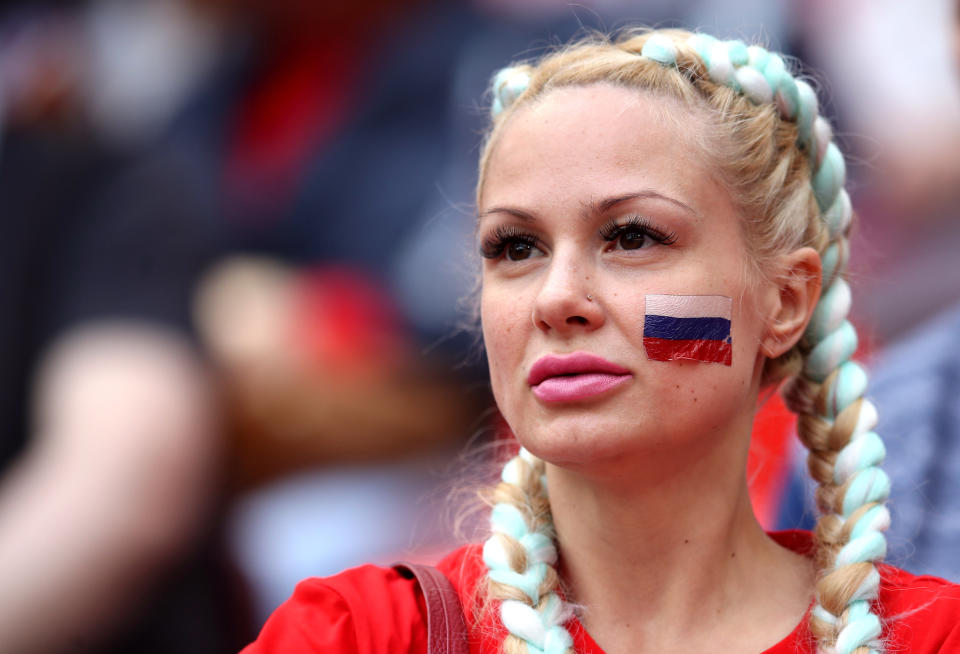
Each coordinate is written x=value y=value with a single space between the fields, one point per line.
x=592 y=201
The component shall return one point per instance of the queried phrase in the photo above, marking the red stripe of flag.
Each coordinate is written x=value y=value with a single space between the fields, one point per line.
x=662 y=349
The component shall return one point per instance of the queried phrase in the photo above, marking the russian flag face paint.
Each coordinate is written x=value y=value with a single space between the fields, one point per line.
x=690 y=327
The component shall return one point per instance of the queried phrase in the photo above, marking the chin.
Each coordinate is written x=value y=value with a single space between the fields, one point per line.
x=578 y=439
x=618 y=434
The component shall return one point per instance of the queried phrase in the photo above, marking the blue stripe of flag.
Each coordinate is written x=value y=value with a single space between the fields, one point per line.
x=686 y=329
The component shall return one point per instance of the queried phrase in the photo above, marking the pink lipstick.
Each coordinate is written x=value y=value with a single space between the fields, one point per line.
x=573 y=377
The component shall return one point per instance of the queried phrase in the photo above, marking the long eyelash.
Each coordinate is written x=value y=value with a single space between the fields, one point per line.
x=613 y=229
x=493 y=245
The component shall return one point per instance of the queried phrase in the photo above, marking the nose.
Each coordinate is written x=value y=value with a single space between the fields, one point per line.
x=566 y=302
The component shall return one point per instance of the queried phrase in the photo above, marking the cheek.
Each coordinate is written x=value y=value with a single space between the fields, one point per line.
x=633 y=302
x=503 y=335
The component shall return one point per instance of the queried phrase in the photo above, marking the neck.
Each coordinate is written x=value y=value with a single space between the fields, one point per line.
x=677 y=553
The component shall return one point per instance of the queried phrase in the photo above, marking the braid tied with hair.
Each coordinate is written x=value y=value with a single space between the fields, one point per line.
x=521 y=556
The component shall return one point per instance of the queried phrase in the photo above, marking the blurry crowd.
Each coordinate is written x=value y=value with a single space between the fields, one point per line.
x=236 y=270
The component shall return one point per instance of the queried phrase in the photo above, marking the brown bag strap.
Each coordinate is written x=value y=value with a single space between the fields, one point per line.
x=446 y=629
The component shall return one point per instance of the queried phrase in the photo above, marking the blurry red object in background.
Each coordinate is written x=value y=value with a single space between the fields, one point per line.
x=769 y=461
x=345 y=323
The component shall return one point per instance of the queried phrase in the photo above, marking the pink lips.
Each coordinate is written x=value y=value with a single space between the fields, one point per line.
x=573 y=377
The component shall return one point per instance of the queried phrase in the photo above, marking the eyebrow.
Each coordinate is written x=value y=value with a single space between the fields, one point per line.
x=608 y=204
x=600 y=206
x=517 y=213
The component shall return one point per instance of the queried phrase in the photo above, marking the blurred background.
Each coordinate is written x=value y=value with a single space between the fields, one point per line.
x=235 y=275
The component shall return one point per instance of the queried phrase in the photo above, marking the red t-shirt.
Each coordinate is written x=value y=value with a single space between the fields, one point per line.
x=372 y=610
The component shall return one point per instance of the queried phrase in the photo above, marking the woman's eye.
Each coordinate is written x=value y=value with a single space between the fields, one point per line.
x=511 y=244
x=519 y=250
x=636 y=234
x=632 y=239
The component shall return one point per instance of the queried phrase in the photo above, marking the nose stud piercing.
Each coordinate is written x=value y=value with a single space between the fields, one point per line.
x=589 y=298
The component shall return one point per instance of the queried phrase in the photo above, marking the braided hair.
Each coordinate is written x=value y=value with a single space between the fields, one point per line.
x=777 y=156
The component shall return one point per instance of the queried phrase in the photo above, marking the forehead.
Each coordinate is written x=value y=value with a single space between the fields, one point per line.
x=581 y=143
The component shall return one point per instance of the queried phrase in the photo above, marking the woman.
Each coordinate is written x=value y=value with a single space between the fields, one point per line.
x=658 y=217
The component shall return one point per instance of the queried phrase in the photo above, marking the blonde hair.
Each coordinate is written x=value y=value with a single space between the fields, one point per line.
x=777 y=158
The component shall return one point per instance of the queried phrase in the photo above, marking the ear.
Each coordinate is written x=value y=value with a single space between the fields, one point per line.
x=797 y=291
